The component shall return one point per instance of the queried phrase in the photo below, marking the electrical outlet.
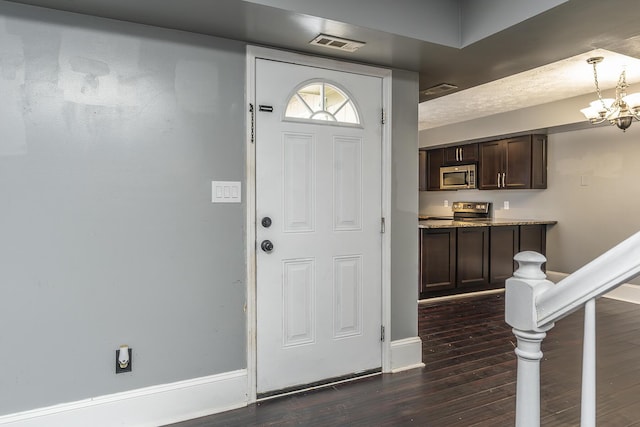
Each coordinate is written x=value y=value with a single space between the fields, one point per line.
x=506 y=205
x=446 y=203
x=127 y=368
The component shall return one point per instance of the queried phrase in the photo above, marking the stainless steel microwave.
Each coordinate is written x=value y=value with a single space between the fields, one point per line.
x=459 y=177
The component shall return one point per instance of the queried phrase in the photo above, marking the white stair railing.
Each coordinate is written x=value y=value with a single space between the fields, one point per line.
x=533 y=304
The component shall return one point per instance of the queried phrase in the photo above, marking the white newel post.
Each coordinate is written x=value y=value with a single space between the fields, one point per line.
x=520 y=312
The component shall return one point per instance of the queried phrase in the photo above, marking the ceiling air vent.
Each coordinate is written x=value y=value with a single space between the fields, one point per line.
x=334 y=42
x=439 y=89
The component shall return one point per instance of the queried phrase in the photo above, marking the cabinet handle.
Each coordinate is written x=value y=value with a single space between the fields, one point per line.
x=498 y=179
x=504 y=183
x=460 y=155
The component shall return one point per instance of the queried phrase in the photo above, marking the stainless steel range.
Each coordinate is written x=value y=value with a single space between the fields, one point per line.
x=469 y=211
x=466 y=211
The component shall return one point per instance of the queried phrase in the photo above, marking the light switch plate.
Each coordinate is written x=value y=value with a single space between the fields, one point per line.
x=226 y=192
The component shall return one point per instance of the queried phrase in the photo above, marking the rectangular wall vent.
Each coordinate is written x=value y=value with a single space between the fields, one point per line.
x=334 y=42
x=439 y=89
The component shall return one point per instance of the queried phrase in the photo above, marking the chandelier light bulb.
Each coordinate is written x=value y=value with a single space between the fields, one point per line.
x=604 y=104
x=633 y=101
x=591 y=113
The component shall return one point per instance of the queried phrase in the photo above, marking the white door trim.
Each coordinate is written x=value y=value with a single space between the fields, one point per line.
x=254 y=52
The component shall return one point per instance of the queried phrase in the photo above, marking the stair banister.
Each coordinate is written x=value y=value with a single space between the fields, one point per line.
x=603 y=274
x=533 y=304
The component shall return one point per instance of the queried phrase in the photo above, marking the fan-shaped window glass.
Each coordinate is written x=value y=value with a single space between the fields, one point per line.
x=322 y=102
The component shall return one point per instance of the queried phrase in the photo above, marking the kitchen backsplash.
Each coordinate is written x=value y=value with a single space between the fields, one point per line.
x=522 y=204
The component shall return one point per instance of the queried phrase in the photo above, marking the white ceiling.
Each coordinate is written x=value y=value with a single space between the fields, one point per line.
x=553 y=82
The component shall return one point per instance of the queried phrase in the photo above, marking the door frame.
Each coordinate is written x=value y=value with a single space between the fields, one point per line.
x=253 y=53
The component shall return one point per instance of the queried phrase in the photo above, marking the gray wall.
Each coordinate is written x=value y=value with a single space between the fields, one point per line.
x=404 y=205
x=111 y=135
x=593 y=185
x=482 y=18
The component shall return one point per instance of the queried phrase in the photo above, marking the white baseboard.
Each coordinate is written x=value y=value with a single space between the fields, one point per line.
x=626 y=292
x=149 y=406
x=406 y=354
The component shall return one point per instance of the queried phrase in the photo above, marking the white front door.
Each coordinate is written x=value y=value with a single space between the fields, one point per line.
x=318 y=137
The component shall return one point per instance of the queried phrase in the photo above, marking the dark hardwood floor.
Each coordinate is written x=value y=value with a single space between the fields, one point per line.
x=469 y=377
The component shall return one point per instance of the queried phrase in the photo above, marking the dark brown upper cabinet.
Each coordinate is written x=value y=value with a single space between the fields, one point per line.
x=435 y=159
x=461 y=154
x=422 y=170
x=513 y=163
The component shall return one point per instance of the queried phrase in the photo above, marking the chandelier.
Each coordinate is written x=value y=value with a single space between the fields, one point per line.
x=619 y=111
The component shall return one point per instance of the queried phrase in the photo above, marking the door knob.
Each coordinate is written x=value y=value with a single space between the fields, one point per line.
x=266 y=222
x=266 y=246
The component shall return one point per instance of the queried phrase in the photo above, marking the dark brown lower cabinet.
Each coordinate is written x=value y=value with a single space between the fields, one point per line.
x=505 y=243
x=465 y=259
x=473 y=256
x=437 y=259
x=533 y=238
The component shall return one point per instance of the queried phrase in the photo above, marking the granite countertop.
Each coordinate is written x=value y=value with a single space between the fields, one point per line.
x=494 y=222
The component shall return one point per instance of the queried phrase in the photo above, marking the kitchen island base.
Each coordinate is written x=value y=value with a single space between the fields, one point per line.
x=469 y=257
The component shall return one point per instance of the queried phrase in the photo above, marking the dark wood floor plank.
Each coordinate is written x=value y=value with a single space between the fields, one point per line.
x=469 y=376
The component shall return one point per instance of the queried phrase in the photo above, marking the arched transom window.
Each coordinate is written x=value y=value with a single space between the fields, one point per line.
x=321 y=101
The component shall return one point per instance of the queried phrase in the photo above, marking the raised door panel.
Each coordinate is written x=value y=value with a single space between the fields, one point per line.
x=490 y=166
x=422 y=170
x=473 y=256
x=435 y=160
x=348 y=296
x=347 y=184
x=517 y=162
x=504 y=245
x=298 y=179
x=437 y=259
x=298 y=290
